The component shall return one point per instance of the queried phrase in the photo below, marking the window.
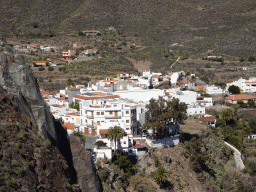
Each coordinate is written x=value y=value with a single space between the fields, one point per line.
x=98 y=122
x=102 y=113
x=115 y=105
x=85 y=121
x=127 y=112
x=110 y=113
x=127 y=128
x=85 y=112
x=98 y=113
x=124 y=142
x=102 y=121
x=127 y=121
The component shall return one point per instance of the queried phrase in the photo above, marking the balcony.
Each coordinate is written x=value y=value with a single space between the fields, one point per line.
x=112 y=116
x=90 y=116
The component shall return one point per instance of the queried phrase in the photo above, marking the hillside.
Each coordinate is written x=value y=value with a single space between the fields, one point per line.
x=27 y=161
x=33 y=145
x=226 y=27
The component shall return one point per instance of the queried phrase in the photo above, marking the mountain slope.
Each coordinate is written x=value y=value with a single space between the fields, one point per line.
x=198 y=25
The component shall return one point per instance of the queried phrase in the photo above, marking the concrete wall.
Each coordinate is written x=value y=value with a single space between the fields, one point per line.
x=104 y=152
x=237 y=156
x=172 y=141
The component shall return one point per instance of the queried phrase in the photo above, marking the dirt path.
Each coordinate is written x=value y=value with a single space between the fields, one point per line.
x=141 y=65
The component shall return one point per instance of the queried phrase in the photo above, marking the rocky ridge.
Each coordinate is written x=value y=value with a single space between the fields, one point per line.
x=19 y=86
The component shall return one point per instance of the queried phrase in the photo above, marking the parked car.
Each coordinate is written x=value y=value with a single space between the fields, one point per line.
x=144 y=132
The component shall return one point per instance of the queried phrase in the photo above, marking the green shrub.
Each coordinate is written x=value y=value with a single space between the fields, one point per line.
x=160 y=175
x=100 y=143
x=104 y=174
x=16 y=146
x=67 y=185
x=14 y=162
x=79 y=134
x=26 y=163
x=50 y=68
x=36 y=150
x=21 y=134
x=41 y=68
x=47 y=150
x=47 y=142
x=6 y=175
x=20 y=169
x=47 y=173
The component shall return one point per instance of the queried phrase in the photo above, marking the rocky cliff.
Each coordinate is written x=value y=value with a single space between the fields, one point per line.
x=18 y=83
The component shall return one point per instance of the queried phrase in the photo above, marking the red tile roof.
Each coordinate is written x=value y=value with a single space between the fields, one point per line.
x=73 y=89
x=40 y=62
x=138 y=146
x=69 y=126
x=89 y=50
x=45 y=93
x=249 y=82
x=155 y=76
x=240 y=96
x=207 y=119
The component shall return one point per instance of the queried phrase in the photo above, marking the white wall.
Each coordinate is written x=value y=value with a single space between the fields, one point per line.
x=103 y=152
x=187 y=97
x=141 y=95
x=172 y=141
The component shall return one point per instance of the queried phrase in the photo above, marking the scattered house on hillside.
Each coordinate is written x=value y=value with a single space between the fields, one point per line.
x=245 y=85
x=89 y=52
x=205 y=101
x=252 y=137
x=232 y=99
x=68 y=53
x=39 y=63
x=123 y=75
x=213 y=90
x=195 y=110
x=91 y=32
x=201 y=88
x=111 y=28
x=137 y=149
x=209 y=120
x=155 y=79
x=242 y=68
x=33 y=46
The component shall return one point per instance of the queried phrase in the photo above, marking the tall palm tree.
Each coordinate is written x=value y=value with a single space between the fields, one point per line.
x=115 y=134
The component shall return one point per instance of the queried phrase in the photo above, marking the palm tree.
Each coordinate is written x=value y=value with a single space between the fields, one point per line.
x=115 y=134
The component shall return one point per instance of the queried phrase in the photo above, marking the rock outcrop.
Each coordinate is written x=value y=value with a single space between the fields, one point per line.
x=17 y=81
x=87 y=178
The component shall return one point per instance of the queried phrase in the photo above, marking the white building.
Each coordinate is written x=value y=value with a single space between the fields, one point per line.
x=195 y=109
x=187 y=97
x=98 y=111
x=212 y=90
x=245 y=85
x=141 y=95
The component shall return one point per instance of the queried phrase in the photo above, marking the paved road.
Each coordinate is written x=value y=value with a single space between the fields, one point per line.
x=90 y=140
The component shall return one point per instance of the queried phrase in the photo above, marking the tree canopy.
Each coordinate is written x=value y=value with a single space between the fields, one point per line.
x=161 y=112
x=115 y=134
x=234 y=89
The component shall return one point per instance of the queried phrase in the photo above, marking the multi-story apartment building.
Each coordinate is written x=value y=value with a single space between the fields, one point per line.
x=96 y=113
